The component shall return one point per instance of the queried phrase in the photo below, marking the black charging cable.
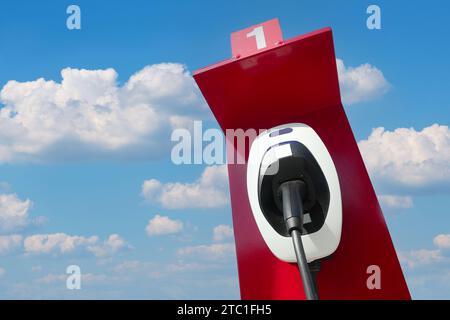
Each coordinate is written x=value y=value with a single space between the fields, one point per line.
x=292 y=194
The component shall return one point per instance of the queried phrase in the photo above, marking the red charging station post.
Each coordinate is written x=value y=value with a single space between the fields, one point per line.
x=268 y=83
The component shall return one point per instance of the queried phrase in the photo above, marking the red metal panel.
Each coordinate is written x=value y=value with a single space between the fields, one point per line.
x=297 y=82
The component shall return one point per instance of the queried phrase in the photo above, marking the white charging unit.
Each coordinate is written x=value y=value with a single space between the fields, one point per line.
x=271 y=144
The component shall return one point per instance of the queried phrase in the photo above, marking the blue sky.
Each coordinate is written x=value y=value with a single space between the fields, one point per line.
x=91 y=183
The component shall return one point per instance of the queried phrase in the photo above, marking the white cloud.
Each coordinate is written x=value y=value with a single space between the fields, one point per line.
x=442 y=241
x=89 y=115
x=2 y=272
x=215 y=251
x=210 y=191
x=13 y=212
x=361 y=83
x=409 y=158
x=61 y=243
x=10 y=242
x=151 y=189
x=396 y=202
x=90 y=278
x=425 y=257
x=222 y=232
x=415 y=258
x=109 y=247
x=161 y=225
x=56 y=243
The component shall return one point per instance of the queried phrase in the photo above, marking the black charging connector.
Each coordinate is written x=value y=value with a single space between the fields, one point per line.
x=292 y=194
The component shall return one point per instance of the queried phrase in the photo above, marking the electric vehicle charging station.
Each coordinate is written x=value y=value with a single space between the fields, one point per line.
x=292 y=85
x=282 y=161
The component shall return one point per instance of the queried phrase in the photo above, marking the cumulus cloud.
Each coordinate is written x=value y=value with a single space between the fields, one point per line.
x=409 y=158
x=109 y=247
x=215 y=251
x=415 y=258
x=61 y=243
x=361 y=83
x=62 y=278
x=56 y=243
x=222 y=232
x=424 y=257
x=9 y=243
x=209 y=191
x=14 y=212
x=396 y=202
x=88 y=114
x=161 y=225
x=442 y=241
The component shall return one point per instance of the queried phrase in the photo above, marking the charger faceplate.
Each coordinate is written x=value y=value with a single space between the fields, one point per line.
x=320 y=243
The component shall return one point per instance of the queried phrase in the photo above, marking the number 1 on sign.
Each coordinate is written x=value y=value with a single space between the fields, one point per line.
x=255 y=39
x=258 y=33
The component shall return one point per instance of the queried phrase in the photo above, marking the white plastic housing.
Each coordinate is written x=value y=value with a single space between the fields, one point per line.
x=321 y=243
